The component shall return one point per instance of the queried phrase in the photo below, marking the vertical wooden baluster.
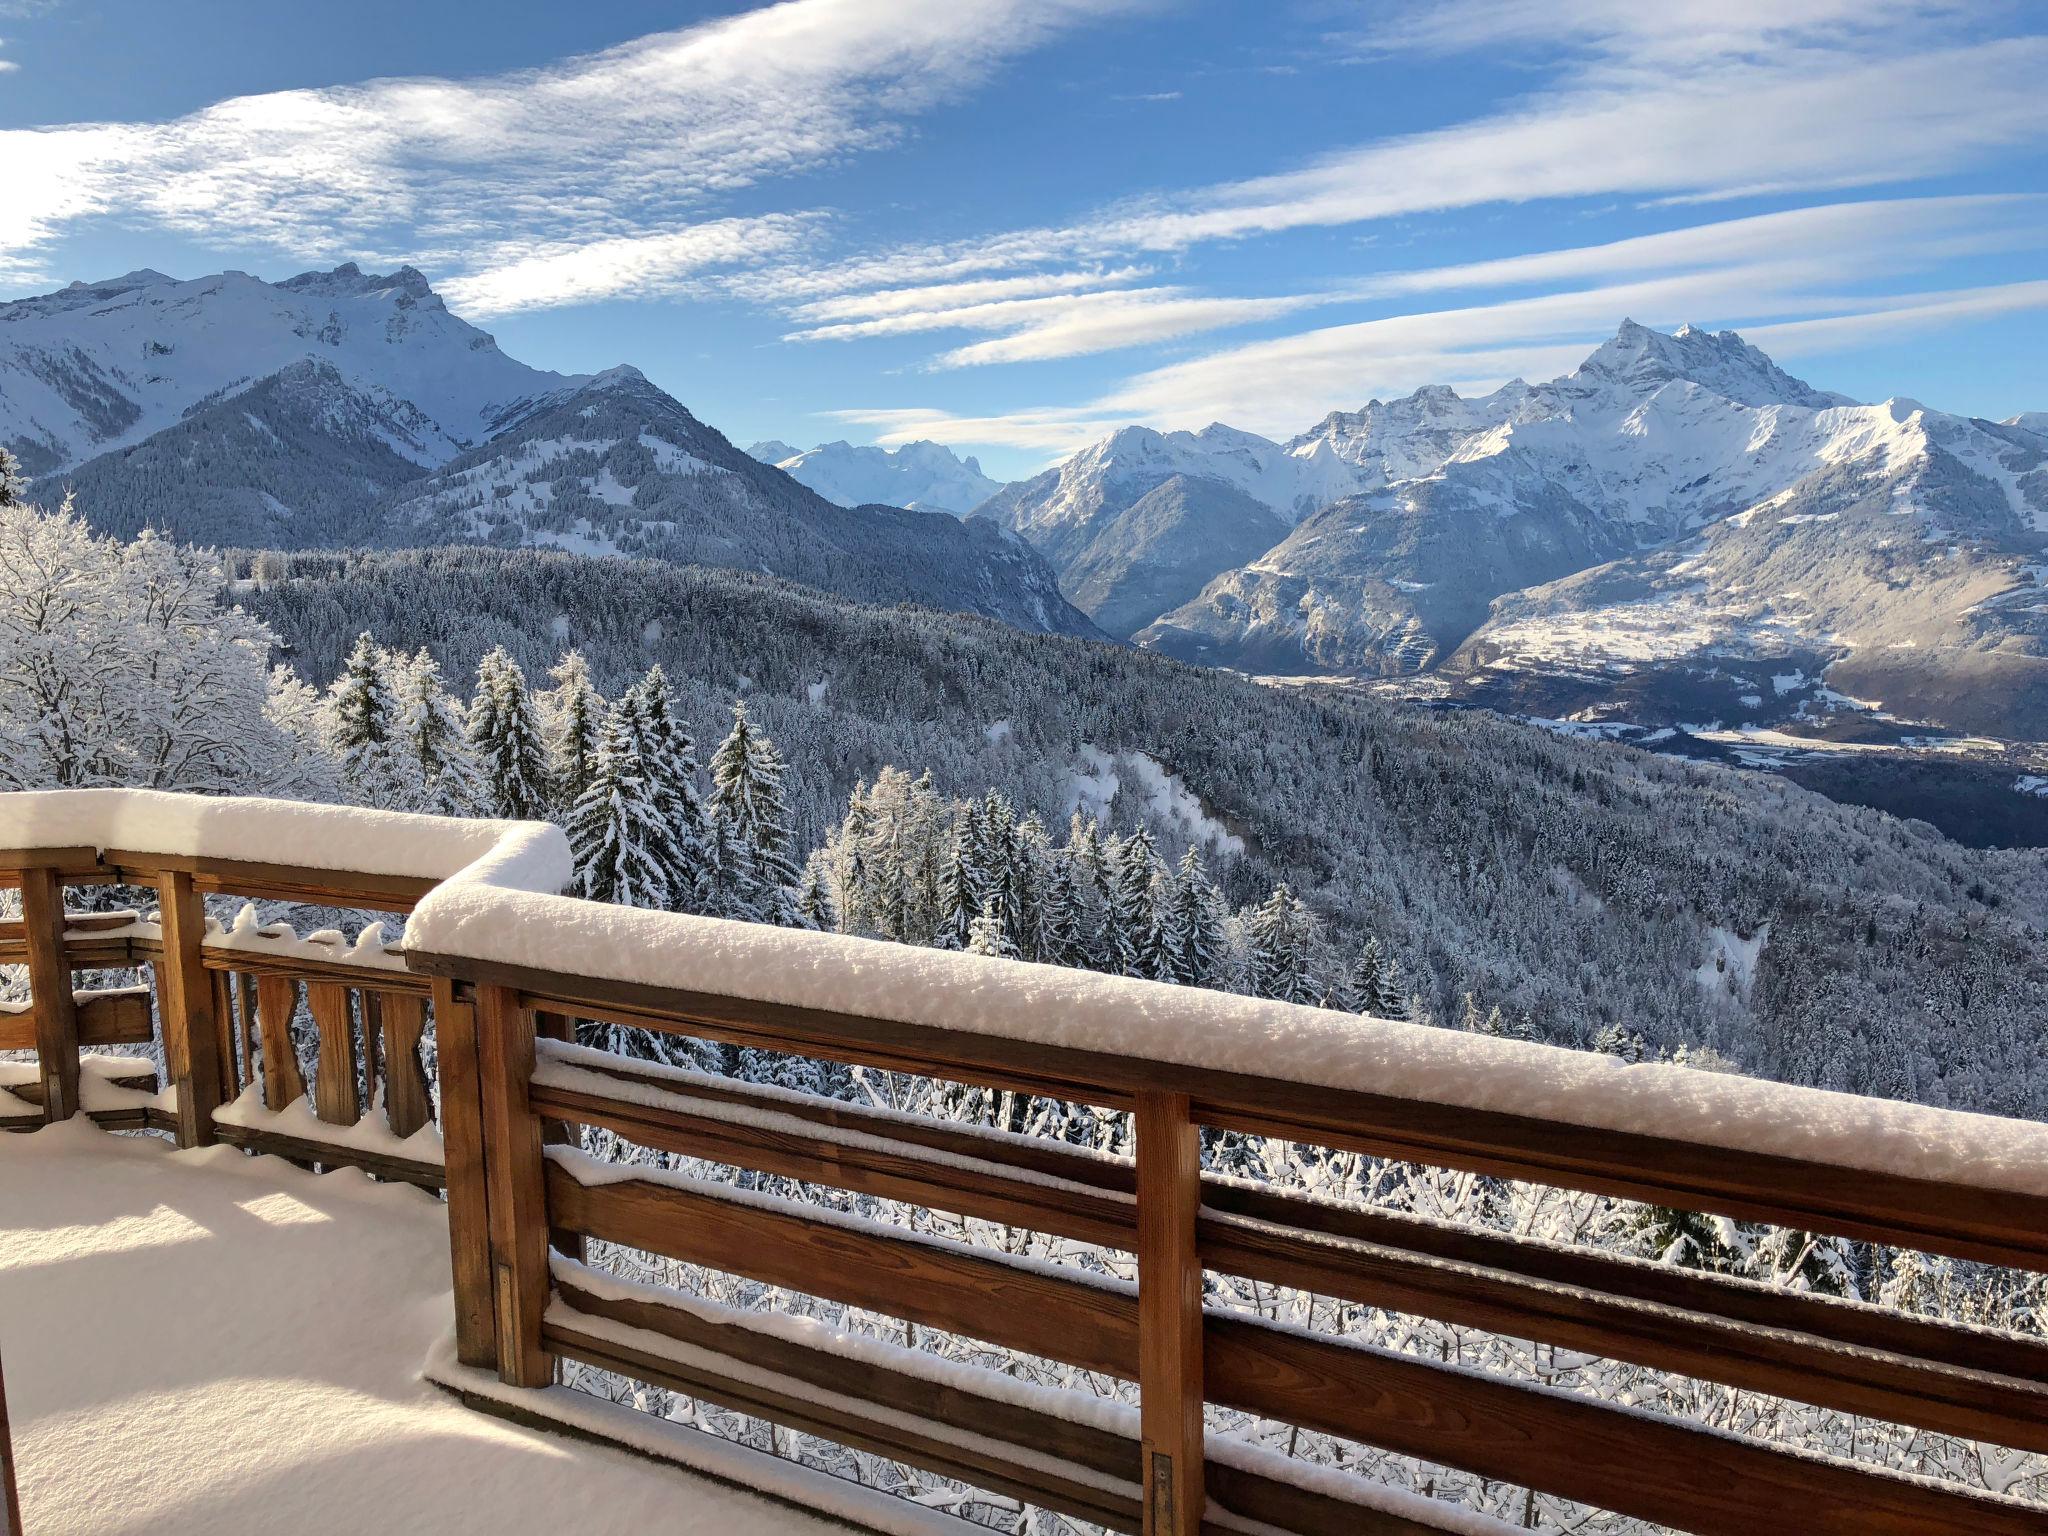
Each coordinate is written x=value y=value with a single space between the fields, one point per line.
x=518 y=1196
x=334 y=1081
x=277 y=999
x=1169 y=1315
x=372 y=1004
x=49 y=991
x=10 y=1497
x=559 y=1133
x=187 y=1006
x=224 y=1032
x=408 y=1105
x=462 y=1141
x=245 y=1028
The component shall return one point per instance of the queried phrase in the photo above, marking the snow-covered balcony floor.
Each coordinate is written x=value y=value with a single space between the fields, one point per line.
x=208 y=1342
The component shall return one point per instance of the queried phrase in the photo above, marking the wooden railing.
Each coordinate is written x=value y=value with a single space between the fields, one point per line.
x=523 y=1200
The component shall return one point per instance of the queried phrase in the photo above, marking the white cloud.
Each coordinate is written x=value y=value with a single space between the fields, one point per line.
x=607 y=147
x=640 y=266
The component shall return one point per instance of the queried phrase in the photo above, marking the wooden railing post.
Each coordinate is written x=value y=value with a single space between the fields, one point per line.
x=191 y=1049
x=517 y=1194
x=49 y=990
x=1169 y=1315
x=462 y=1143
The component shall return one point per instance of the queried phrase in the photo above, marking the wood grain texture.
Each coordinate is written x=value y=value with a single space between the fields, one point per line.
x=462 y=1146
x=186 y=1010
x=972 y=1292
x=1993 y=1226
x=1169 y=1315
x=49 y=986
x=335 y=1096
x=517 y=1200
x=1639 y=1464
x=408 y=1102
x=277 y=1000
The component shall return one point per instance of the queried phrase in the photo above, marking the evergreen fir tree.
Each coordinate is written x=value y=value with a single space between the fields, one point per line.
x=1390 y=999
x=1061 y=937
x=813 y=896
x=361 y=722
x=505 y=739
x=1193 y=926
x=1281 y=938
x=574 y=716
x=13 y=488
x=987 y=936
x=431 y=735
x=746 y=791
x=616 y=831
x=669 y=754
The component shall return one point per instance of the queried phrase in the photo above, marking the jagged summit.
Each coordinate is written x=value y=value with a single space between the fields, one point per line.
x=923 y=476
x=1642 y=361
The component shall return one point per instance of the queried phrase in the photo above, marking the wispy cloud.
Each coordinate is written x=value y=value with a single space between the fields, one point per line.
x=487 y=174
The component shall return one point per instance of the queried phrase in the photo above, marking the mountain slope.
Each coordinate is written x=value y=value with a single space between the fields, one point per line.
x=99 y=366
x=618 y=467
x=1677 y=505
x=341 y=408
x=925 y=477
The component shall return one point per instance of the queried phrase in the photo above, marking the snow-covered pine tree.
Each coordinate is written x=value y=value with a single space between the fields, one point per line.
x=814 y=895
x=1060 y=933
x=746 y=790
x=1390 y=994
x=616 y=831
x=987 y=936
x=670 y=756
x=13 y=488
x=1281 y=937
x=573 y=720
x=1134 y=906
x=1192 y=925
x=362 y=722
x=505 y=739
x=1361 y=985
x=431 y=735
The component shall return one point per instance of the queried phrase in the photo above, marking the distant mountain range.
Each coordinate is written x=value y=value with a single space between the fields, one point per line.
x=1677 y=531
x=924 y=477
x=344 y=408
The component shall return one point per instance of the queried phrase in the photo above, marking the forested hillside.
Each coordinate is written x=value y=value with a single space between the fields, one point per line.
x=1582 y=890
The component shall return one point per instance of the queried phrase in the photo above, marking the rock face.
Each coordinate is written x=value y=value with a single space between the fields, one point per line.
x=1678 y=507
x=346 y=408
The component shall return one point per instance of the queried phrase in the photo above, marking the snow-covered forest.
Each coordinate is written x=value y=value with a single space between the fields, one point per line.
x=719 y=743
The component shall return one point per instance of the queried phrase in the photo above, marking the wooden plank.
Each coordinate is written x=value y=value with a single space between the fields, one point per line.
x=335 y=1098
x=307 y=1152
x=906 y=1174
x=1994 y=1226
x=1638 y=1464
x=279 y=882
x=981 y=1464
x=118 y=1017
x=555 y=1131
x=1169 y=1315
x=936 y=1284
x=1998 y=1404
x=245 y=1027
x=49 y=985
x=408 y=1101
x=518 y=1203
x=303 y=967
x=187 y=1009
x=224 y=1031
x=277 y=1000
x=462 y=1147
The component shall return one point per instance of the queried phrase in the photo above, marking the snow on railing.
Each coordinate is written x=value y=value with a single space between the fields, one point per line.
x=507 y=965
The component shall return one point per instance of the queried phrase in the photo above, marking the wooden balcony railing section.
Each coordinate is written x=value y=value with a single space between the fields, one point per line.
x=522 y=1199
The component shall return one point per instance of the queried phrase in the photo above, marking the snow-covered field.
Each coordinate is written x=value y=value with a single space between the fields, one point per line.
x=208 y=1342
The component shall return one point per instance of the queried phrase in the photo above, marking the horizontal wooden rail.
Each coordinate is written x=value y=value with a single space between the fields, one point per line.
x=874 y=1400
x=1973 y=1382
x=1991 y=1226
x=1519 y=1433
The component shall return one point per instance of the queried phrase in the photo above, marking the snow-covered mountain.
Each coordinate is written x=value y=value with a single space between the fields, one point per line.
x=346 y=408
x=618 y=467
x=101 y=366
x=1674 y=502
x=925 y=477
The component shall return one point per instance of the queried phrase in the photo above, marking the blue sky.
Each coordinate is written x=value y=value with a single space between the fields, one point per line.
x=1011 y=225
